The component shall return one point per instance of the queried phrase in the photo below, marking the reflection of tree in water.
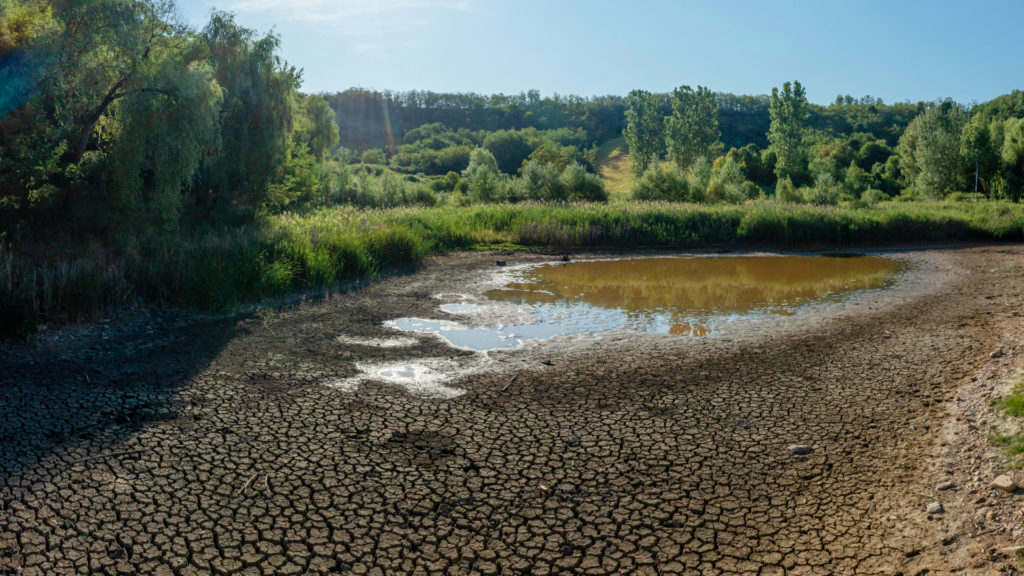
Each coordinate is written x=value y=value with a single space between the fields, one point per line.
x=699 y=286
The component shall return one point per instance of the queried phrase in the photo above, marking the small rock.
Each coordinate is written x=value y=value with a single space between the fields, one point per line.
x=502 y=262
x=936 y=508
x=946 y=486
x=996 y=353
x=1004 y=483
x=800 y=449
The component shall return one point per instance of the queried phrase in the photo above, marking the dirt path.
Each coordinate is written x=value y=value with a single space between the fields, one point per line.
x=212 y=446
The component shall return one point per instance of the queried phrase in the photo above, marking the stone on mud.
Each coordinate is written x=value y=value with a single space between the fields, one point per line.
x=1004 y=483
x=800 y=449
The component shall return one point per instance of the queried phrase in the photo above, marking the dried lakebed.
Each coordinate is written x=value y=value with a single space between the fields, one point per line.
x=198 y=446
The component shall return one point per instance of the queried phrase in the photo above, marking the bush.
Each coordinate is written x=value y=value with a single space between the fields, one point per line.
x=786 y=192
x=726 y=182
x=484 y=181
x=825 y=191
x=964 y=197
x=540 y=182
x=873 y=196
x=658 y=183
x=582 y=185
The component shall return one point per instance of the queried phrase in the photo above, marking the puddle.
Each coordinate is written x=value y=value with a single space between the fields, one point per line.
x=684 y=296
x=425 y=379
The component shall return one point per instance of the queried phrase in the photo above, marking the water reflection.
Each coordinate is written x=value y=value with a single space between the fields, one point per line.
x=687 y=296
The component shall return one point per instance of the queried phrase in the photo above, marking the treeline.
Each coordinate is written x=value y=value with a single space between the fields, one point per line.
x=381 y=119
x=857 y=151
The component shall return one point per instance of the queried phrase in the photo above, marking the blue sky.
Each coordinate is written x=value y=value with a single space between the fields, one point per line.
x=896 y=49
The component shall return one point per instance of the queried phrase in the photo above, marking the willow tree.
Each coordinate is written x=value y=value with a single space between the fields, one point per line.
x=260 y=105
x=122 y=110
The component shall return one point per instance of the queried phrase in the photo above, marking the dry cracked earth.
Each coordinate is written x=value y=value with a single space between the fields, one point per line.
x=173 y=445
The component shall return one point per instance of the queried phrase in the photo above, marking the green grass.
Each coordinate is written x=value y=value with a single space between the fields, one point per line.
x=218 y=270
x=1013 y=444
x=1014 y=403
x=614 y=165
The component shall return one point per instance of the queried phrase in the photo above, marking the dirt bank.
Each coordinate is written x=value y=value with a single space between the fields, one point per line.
x=195 y=446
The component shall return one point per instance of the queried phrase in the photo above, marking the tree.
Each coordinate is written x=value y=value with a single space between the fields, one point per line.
x=979 y=154
x=510 y=149
x=484 y=181
x=692 y=129
x=260 y=105
x=123 y=111
x=788 y=111
x=644 y=130
x=929 y=150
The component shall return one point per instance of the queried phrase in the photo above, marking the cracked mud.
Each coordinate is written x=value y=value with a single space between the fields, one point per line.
x=181 y=446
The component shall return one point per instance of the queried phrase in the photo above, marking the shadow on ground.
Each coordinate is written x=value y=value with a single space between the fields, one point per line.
x=81 y=399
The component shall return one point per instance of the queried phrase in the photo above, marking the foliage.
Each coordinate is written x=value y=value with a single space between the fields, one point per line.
x=930 y=150
x=664 y=183
x=484 y=180
x=644 y=130
x=582 y=186
x=692 y=129
x=788 y=110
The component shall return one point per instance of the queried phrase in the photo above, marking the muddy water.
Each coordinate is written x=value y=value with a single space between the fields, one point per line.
x=689 y=296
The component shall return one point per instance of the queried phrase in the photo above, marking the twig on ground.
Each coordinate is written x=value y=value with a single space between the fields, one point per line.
x=510 y=381
x=247 y=483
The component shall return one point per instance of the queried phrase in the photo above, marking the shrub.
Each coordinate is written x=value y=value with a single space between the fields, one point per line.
x=540 y=181
x=873 y=196
x=660 y=183
x=582 y=185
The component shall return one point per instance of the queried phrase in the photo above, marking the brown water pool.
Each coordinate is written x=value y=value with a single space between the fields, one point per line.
x=686 y=295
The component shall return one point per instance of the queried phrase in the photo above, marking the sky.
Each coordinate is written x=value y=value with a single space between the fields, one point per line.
x=893 y=49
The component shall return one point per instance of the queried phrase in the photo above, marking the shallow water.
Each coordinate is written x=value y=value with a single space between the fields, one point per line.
x=686 y=296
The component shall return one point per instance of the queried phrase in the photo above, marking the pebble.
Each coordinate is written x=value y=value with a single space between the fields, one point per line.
x=936 y=508
x=946 y=486
x=800 y=449
x=1004 y=483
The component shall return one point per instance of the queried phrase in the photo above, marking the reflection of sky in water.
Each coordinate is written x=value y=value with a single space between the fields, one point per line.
x=682 y=296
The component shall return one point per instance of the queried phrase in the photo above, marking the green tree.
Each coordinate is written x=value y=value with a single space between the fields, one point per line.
x=510 y=149
x=260 y=105
x=644 y=130
x=122 y=113
x=692 y=129
x=980 y=156
x=484 y=180
x=788 y=111
x=929 y=150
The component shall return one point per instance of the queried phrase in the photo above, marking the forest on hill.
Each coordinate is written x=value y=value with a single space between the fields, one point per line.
x=144 y=158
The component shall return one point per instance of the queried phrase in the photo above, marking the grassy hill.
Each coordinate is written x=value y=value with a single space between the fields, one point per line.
x=614 y=166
